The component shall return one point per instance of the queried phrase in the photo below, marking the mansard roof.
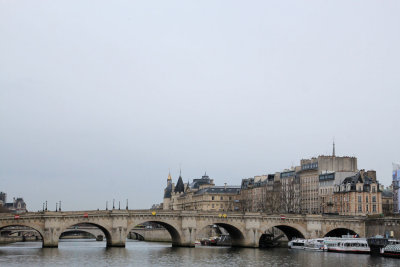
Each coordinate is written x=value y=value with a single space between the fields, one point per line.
x=353 y=179
x=203 y=180
x=219 y=190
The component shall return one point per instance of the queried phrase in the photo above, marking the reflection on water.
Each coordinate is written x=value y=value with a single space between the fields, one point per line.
x=93 y=253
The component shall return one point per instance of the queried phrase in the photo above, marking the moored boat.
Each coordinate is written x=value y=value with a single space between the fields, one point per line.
x=392 y=249
x=317 y=244
x=350 y=245
x=297 y=243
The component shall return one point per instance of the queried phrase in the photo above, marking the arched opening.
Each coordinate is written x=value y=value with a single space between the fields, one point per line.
x=278 y=236
x=220 y=234
x=82 y=232
x=339 y=232
x=132 y=235
x=154 y=231
x=20 y=233
x=77 y=234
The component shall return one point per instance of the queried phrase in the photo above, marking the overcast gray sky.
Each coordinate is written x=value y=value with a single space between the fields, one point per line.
x=99 y=99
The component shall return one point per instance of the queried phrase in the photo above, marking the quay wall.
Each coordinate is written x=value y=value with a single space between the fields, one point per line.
x=383 y=226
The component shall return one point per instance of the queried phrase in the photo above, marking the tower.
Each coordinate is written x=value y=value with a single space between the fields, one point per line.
x=169 y=179
x=167 y=193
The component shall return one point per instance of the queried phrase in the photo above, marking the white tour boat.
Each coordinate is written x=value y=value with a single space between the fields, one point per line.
x=317 y=244
x=297 y=243
x=348 y=245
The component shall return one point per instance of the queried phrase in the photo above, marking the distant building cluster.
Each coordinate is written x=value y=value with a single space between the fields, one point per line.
x=17 y=206
x=321 y=185
x=201 y=194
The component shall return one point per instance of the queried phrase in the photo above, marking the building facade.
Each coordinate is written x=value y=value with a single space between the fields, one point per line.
x=311 y=181
x=201 y=194
x=360 y=194
x=262 y=194
x=290 y=190
x=327 y=182
x=387 y=201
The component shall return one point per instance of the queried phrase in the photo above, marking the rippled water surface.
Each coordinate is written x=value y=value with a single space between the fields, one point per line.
x=92 y=253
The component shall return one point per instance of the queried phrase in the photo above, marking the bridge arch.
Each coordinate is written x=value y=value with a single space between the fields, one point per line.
x=105 y=231
x=28 y=225
x=339 y=232
x=72 y=232
x=291 y=231
x=170 y=227
x=236 y=234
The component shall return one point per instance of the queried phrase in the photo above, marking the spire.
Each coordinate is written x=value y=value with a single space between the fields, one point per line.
x=333 y=152
x=180 y=187
x=187 y=186
x=169 y=176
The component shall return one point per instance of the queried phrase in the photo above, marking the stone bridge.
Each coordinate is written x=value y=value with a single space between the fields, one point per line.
x=245 y=229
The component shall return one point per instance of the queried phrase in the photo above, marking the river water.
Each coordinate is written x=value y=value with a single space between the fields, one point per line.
x=138 y=253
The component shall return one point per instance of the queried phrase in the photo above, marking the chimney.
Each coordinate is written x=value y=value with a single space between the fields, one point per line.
x=372 y=174
x=362 y=172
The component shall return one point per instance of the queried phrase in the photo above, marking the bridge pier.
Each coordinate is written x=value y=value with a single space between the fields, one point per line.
x=50 y=237
x=188 y=238
x=118 y=237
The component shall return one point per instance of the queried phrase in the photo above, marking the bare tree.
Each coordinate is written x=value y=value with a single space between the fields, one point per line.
x=290 y=199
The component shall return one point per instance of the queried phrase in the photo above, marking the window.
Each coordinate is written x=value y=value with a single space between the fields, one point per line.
x=359 y=208
x=374 y=199
x=366 y=208
x=212 y=205
x=212 y=198
x=374 y=208
x=221 y=198
x=366 y=199
x=359 y=198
